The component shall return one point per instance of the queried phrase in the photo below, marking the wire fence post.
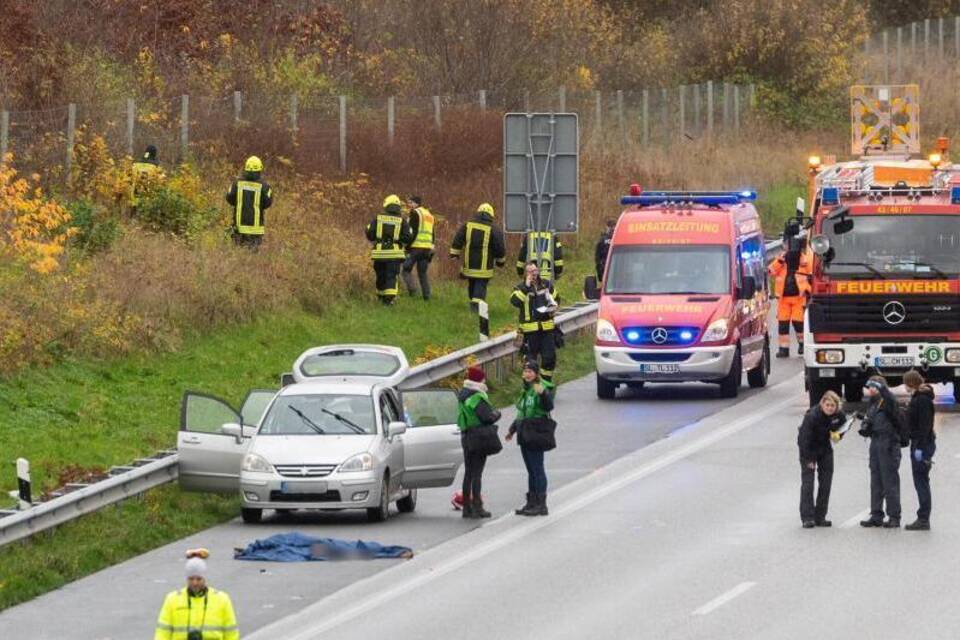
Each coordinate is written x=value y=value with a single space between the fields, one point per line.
x=526 y=101
x=294 y=114
x=736 y=108
x=913 y=39
x=682 y=116
x=956 y=36
x=664 y=114
x=184 y=126
x=886 y=57
x=726 y=106
x=237 y=105
x=598 y=114
x=482 y=99
x=621 y=125
x=926 y=39
x=436 y=112
x=343 y=134
x=71 y=129
x=709 y=107
x=131 y=122
x=646 y=117
x=562 y=95
x=4 y=135
x=391 y=119
x=940 y=38
x=899 y=53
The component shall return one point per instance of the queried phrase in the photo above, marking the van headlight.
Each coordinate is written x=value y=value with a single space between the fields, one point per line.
x=606 y=332
x=717 y=331
x=253 y=462
x=359 y=462
x=829 y=356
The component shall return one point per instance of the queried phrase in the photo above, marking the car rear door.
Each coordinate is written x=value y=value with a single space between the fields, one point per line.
x=432 y=442
x=210 y=459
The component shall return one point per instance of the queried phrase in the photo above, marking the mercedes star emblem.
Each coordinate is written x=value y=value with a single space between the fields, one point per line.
x=894 y=312
x=659 y=335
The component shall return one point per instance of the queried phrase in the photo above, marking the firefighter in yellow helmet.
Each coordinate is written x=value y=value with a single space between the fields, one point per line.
x=198 y=610
x=420 y=250
x=389 y=233
x=250 y=197
x=545 y=249
x=481 y=246
x=146 y=172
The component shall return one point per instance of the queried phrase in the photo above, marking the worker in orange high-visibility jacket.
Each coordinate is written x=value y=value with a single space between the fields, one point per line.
x=791 y=273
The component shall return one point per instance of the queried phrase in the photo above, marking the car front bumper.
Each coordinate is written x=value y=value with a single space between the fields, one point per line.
x=335 y=491
x=628 y=364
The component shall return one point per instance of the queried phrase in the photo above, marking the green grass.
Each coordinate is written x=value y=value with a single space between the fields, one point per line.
x=94 y=414
x=779 y=203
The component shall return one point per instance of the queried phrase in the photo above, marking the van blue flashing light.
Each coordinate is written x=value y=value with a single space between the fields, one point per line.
x=686 y=335
x=830 y=196
x=632 y=336
x=708 y=198
x=954 y=195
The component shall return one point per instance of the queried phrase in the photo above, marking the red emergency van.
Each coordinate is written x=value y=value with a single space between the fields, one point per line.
x=685 y=293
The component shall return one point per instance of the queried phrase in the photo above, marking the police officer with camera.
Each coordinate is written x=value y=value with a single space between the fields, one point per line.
x=198 y=611
x=884 y=425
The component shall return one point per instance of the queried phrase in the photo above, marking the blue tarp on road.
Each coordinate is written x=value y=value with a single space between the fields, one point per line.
x=297 y=547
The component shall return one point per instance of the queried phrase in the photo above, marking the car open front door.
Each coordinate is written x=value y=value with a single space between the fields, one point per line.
x=209 y=458
x=255 y=405
x=432 y=442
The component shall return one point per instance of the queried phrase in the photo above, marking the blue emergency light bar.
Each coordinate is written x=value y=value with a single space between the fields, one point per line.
x=954 y=195
x=708 y=198
x=830 y=196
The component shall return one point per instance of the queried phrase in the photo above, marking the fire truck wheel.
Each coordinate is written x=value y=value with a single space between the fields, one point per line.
x=853 y=391
x=730 y=385
x=757 y=377
x=956 y=391
x=816 y=389
x=606 y=390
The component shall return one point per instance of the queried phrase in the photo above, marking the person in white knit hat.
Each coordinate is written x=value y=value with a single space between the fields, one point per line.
x=198 y=611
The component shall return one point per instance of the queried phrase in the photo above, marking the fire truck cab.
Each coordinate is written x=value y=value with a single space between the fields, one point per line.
x=685 y=294
x=886 y=233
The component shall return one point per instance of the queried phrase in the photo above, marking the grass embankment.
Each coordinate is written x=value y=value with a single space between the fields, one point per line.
x=85 y=415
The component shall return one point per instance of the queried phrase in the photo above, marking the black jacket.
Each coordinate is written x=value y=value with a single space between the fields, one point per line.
x=885 y=420
x=920 y=417
x=602 y=248
x=813 y=438
x=482 y=246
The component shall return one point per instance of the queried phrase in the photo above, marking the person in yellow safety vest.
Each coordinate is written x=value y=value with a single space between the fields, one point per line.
x=389 y=233
x=535 y=299
x=250 y=197
x=545 y=248
x=420 y=250
x=481 y=246
x=791 y=272
x=197 y=612
x=145 y=172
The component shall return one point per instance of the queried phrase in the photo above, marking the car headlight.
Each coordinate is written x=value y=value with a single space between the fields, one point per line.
x=606 y=331
x=359 y=462
x=253 y=462
x=717 y=331
x=830 y=356
x=952 y=356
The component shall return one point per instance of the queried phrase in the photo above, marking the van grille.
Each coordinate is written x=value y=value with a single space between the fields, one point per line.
x=866 y=314
x=305 y=470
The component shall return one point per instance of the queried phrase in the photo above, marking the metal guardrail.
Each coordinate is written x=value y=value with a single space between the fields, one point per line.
x=147 y=473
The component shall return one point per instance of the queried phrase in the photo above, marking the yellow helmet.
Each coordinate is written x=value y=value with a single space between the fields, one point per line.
x=486 y=208
x=392 y=199
x=253 y=165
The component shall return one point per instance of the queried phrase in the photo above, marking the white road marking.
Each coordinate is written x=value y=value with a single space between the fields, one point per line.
x=855 y=520
x=724 y=598
x=308 y=627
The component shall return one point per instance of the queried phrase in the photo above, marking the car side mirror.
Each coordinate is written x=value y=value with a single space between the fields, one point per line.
x=286 y=379
x=591 y=288
x=748 y=288
x=396 y=428
x=233 y=429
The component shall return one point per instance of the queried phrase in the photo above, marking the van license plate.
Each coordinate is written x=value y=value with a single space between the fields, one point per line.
x=894 y=361
x=302 y=487
x=660 y=368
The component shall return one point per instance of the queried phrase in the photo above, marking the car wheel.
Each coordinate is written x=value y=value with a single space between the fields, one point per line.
x=606 y=390
x=251 y=516
x=757 y=377
x=408 y=504
x=730 y=385
x=381 y=512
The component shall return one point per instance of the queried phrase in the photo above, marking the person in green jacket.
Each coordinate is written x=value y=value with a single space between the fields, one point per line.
x=475 y=410
x=536 y=401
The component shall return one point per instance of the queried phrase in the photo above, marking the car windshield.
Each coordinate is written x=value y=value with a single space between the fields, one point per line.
x=917 y=246
x=350 y=362
x=320 y=414
x=670 y=269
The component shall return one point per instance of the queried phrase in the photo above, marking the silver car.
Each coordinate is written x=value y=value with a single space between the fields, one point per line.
x=340 y=436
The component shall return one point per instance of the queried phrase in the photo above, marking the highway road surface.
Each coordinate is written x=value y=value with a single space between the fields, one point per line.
x=695 y=535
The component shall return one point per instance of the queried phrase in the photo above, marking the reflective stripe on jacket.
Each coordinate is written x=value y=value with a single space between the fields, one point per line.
x=779 y=270
x=528 y=300
x=212 y=614
x=249 y=198
x=389 y=233
x=481 y=245
x=421 y=227
x=544 y=248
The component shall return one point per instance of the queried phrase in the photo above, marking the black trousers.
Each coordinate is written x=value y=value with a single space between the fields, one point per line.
x=884 y=477
x=473 y=464
x=921 y=479
x=477 y=290
x=810 y=510
x=419 y=258
x=250 y=241
x=542 y=348
x=387 y=272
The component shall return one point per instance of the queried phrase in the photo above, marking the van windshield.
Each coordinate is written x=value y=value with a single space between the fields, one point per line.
x=648 y=269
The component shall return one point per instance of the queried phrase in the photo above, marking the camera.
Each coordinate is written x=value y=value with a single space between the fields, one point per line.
x=866 y=426
x=195 y=635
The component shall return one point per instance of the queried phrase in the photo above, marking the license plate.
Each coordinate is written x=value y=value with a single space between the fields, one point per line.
x=894 y=361
x=302 y=487
x=660 y=368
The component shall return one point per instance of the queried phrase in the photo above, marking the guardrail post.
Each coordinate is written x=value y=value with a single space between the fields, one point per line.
x=483 y=311
x=4 y=134
x=23 y=484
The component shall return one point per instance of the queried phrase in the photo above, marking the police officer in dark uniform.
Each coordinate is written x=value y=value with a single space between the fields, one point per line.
x=883 y=424
x=602 y=250
x=821 y=424
x=923 y=444
x=534 y=297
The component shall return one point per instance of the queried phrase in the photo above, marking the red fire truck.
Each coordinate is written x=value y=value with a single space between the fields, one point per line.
x=886 y=232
